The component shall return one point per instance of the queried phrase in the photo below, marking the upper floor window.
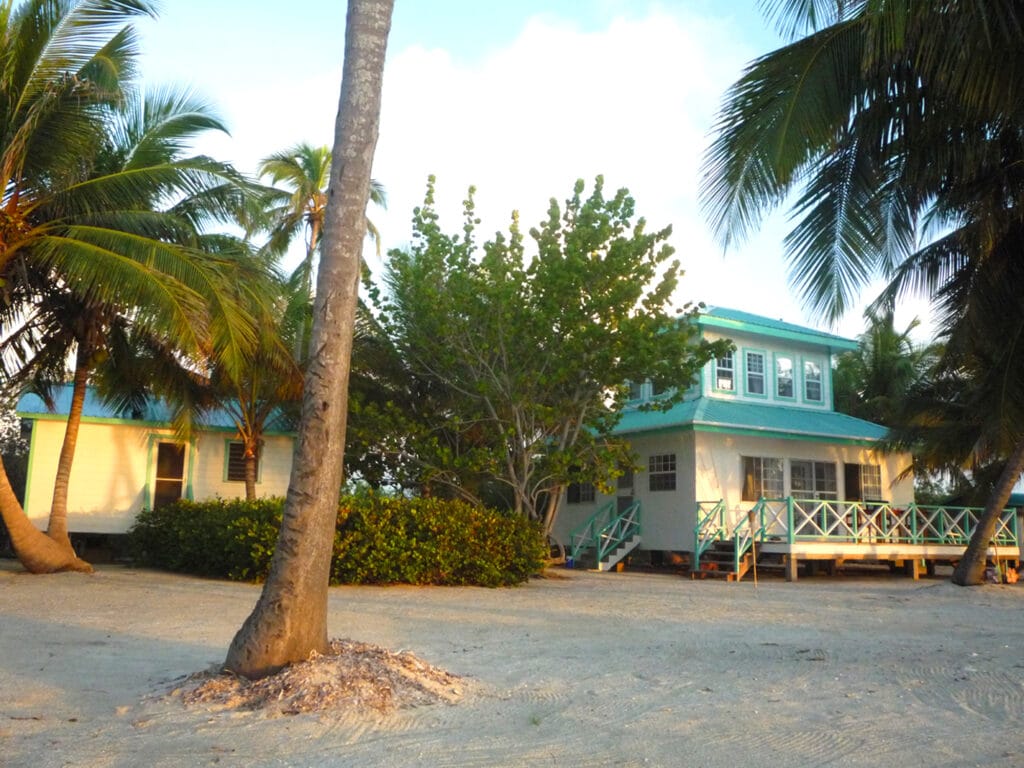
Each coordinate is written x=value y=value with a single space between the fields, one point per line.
x=724 y=374
x=636 y=390
x=813 y=479
x=579 y=493
x=755 y=373
x=812 y=381
x=784 y=376
x=661 y=469
x=762 y=477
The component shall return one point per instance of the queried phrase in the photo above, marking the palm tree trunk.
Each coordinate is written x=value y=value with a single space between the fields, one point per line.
x=250 y=475
x=290 y=618
x=970 y=571
x=57 y=529
x=36 y=551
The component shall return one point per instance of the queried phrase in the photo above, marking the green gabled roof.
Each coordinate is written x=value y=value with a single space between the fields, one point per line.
x=95 y=409
x=722 y=318
x=715 y=414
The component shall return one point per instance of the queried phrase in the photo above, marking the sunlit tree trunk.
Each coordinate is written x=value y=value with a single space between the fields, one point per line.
x=36 y=551
x=971 y=568
x=251 y=468
x=290 y=618
x=57 y=529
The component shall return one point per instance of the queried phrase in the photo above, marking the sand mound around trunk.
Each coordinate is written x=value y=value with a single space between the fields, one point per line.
x=352 y=678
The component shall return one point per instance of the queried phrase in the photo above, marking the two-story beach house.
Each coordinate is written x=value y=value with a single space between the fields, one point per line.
x=757 y=453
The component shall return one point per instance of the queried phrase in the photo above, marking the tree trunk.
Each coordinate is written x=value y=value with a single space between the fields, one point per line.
x=36 y=551
x=290 y=619
x=250 y=474
x=57 y=528
x=553 y=505
x=970 y=571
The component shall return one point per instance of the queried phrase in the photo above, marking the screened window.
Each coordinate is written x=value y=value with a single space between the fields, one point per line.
x=636 y=390
x=813 y=480
x=661 y=472
x=812 y=380
x=762 y=477
x=236 y=463
x=724 y=376
x=755 y=373
x=580 y=493
x=784 y=377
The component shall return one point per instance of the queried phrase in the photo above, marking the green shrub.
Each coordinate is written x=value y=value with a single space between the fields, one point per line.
x=378 y=540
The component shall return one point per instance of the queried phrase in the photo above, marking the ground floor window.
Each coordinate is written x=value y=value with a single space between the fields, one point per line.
x=813 y=480
x=235 y=470
x=170 y=474
x=762 y=477
x=580 y=493
x=863 y=482
x=661 y=472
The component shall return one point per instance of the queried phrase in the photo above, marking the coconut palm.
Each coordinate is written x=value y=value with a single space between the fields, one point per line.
x=290 y=619
x=304 y=171
x=901 y=155
x=873 y=381
x=99 y=214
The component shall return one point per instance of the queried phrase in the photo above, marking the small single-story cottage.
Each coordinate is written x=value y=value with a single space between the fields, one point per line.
x=125 y=464
x=757 y=452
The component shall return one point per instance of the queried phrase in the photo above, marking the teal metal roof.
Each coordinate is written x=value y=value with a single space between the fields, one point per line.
x=31 y=405
x=709 y=413
x=725 y=319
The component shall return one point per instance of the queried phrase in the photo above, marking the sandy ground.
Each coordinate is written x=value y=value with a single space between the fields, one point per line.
x=591 y=669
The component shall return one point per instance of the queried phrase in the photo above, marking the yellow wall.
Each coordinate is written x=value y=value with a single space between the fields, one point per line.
x=114 y=467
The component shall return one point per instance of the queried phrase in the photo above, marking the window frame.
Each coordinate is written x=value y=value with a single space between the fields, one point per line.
x=661 y=472
x=759 y=467
x=820 y=381
x=818 y=491
x=747 y=354
x=730 y=368
x=778 y=379
x=227 y=462
x=580 y=493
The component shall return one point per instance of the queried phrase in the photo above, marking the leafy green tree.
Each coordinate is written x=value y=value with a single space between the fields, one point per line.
x=886 y=134
x=529 y=355
x=290 y=619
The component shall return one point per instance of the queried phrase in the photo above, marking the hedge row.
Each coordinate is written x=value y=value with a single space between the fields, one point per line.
x=378 y=540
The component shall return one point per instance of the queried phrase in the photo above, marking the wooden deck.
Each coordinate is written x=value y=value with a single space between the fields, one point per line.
x=794 y=530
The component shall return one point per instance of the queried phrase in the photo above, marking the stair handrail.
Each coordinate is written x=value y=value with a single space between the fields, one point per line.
x=710 y=527
x=620 y=529
x=586 y=533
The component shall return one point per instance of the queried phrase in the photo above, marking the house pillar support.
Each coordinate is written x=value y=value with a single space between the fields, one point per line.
x=791 y=566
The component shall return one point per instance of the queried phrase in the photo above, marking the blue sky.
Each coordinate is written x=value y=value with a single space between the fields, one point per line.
x=517 y=98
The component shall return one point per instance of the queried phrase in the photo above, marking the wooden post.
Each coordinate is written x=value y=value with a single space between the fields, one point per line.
x=791 y=566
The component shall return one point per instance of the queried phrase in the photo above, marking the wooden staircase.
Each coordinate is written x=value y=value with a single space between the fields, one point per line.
x=720 y=562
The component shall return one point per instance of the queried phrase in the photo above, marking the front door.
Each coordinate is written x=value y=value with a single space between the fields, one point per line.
x=170 y=474
x=623 y=503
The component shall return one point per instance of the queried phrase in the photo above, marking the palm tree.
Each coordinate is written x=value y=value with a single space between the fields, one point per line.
x=304 y=171
x=886 y=134
x=873 y=381
x=99 y=214
x=290 y=618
